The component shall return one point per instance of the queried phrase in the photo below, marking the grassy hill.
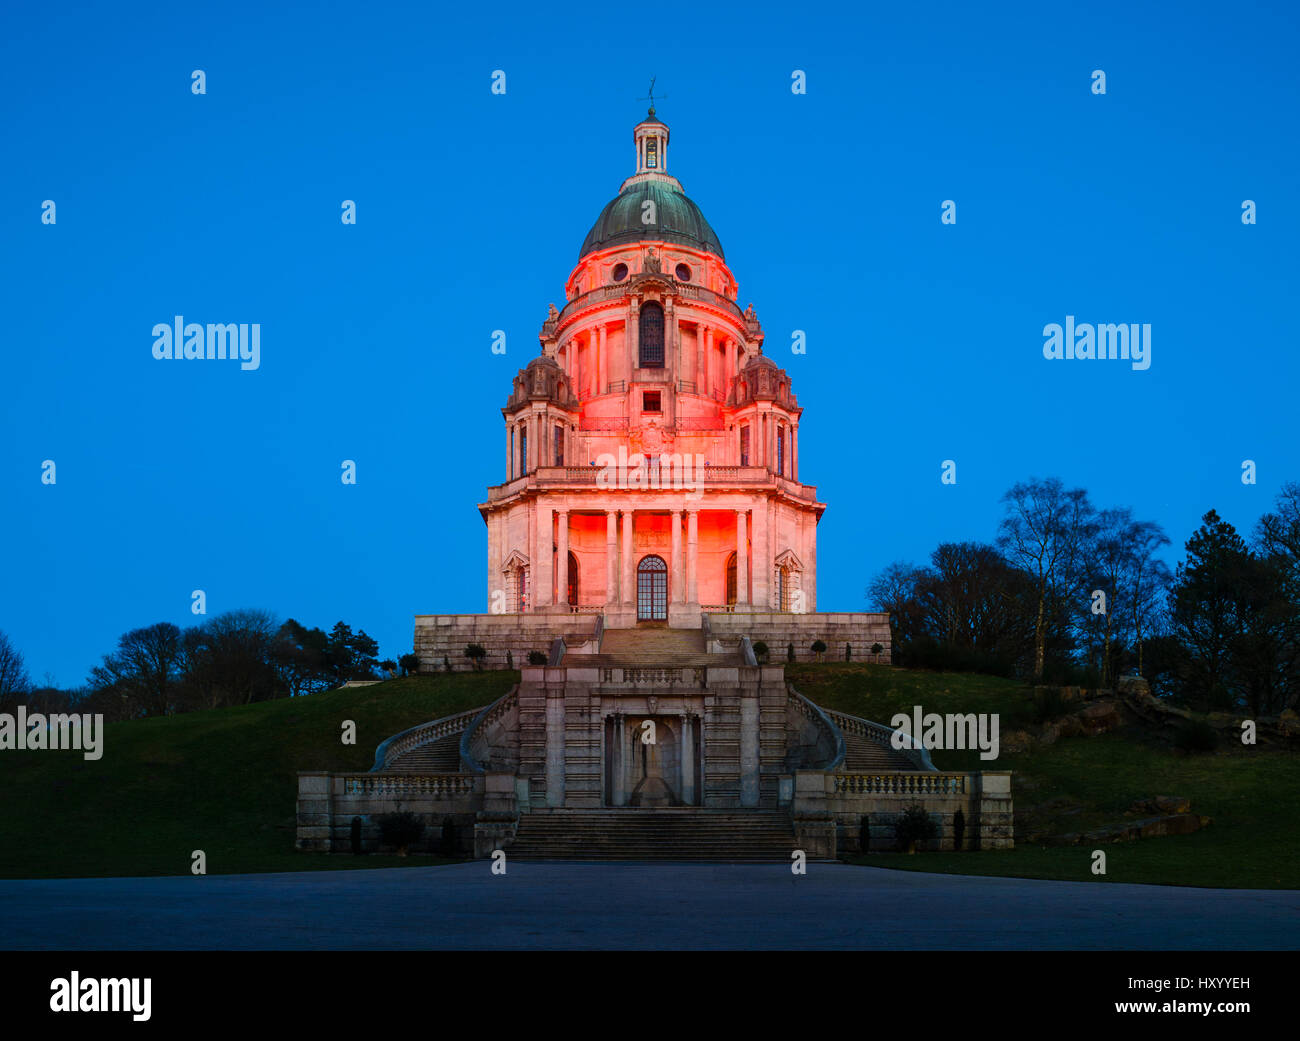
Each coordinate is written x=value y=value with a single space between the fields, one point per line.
x=223 y=781
x=1082 y=783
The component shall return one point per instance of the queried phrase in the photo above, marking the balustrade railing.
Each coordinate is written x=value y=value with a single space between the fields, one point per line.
x=902 y=783
x=424 y=734
x=437 y=786
x=825 y=725
x=485 y=718
x=883 y=735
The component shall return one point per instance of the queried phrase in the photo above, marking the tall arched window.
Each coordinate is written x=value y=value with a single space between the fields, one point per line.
x=651 y=590
x=731 y=579
x=651 y=336
x=572 y=598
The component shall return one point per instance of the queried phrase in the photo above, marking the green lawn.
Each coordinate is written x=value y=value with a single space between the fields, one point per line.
x=223 y=781
x=1081 y=783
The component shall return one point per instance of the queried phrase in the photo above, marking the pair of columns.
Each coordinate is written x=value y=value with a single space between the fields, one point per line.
x=625 y=758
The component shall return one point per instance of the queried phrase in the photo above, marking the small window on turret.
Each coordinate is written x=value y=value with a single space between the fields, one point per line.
x=652 y=153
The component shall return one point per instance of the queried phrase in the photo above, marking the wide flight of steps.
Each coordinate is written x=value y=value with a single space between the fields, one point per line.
x=652 y=646
x=438 y=757
x=863 y=756
x=731 y=836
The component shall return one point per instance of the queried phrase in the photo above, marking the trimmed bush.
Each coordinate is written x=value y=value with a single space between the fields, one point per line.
x=402 y=830
x=819 y=648
x=536 y=658
x=475 y=652
x=789 y=652
x=914 y=827
x=409 y=664
x=760 y=652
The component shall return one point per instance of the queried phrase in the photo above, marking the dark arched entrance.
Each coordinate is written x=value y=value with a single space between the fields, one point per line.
x=652 y=590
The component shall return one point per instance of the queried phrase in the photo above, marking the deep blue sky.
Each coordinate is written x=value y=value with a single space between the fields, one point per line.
x=925 y=341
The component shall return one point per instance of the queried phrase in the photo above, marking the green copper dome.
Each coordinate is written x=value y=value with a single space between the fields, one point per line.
x=677 y=220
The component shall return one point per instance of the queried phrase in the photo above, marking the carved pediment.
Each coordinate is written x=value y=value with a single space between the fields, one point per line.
x=788 y=561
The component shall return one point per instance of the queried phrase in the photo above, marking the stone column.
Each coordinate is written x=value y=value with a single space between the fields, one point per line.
x=544 y=559
x=611 y=558
x=703 y=340
x=762 y=563
x=510 y=464
x=794 y=452
x=742 y=559
x=554 y=746
x=562 y=558
x=675 y=564
x=602 y=367
x=687 y=760
x=629 y=571
x=617 y=796
x=748 y=747
x=692 y=556
x=632 y=340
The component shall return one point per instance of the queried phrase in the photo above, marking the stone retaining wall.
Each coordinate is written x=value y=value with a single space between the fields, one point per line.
x=777 y=629
x=439 y=636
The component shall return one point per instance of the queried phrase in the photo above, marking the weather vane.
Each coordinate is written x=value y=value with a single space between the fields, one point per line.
x=651 y=96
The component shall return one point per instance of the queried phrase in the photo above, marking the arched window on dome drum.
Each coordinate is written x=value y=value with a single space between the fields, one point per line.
x=651 y=336
x=731 y=579
x=523 y=449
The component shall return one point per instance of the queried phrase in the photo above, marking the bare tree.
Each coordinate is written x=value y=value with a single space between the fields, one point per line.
x=144 y=669
x=14 y=681
x=1044 y=533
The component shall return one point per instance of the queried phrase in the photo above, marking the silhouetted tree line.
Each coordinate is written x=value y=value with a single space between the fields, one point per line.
x=1068 y=593
x=234 y=658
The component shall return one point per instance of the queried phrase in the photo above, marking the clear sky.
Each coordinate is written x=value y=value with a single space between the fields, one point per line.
x=925 y=341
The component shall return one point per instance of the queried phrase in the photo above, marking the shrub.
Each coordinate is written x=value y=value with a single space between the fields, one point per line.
x=510 y=659
x=958 y=829
x=864 y=834
x=449 y=845
x=789 y=652
x=389 y=666
x=877 y=649
x=914 y=826
x=409 y=664
x=536 y=658
x=819 y=648
x=446 y=663
x=476 y=653
x=402 y=830
x=848 y=652
x=1195 y=735
x=760 y=652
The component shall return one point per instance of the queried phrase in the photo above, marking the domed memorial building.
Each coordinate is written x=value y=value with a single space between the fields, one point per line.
x=652 y=449
x=653 y=543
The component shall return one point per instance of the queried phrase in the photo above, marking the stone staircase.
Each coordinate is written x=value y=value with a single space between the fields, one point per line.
x=437 y=757
x=651 y=646
x=864 y=756
x=687 y=833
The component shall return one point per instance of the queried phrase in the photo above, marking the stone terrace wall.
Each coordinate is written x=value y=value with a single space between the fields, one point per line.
x=779 y=629
x=439 y=635
x=984 y=800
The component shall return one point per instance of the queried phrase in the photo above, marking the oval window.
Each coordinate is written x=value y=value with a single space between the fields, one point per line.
x=683 y=273
x=619 y=273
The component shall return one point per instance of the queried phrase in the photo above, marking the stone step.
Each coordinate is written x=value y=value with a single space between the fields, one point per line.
x=863 y=755
x=438 y=757
x=652 y=644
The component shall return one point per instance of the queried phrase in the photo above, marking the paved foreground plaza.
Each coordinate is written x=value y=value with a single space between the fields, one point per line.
x=629 y=906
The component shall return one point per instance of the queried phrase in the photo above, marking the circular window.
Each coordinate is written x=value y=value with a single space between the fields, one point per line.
x=683 y=273
x=619 y=273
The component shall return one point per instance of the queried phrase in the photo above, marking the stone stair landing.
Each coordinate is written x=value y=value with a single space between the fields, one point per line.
x=652 y=645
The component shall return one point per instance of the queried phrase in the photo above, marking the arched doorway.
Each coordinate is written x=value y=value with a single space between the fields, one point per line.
x=731 y=579
x=652 y=590
x=572 y=599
